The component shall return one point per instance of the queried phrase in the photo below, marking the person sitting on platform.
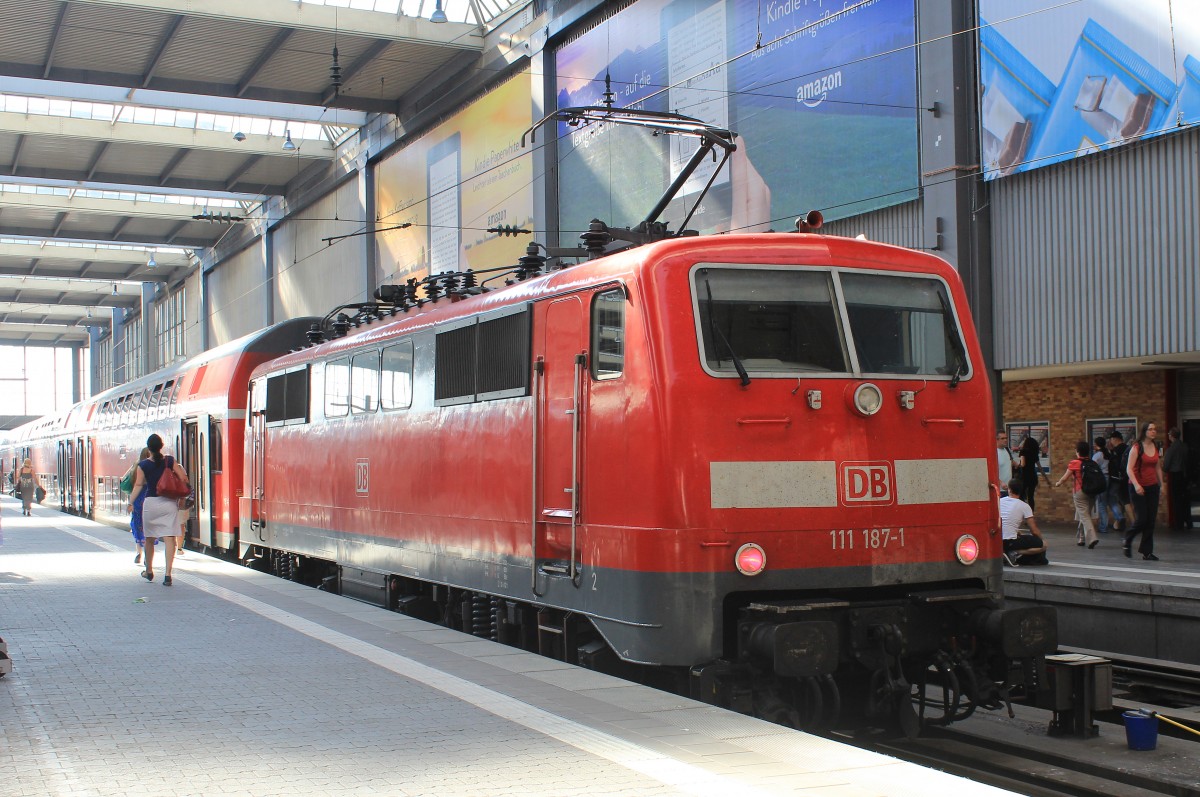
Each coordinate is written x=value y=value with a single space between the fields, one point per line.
x=1020 y=548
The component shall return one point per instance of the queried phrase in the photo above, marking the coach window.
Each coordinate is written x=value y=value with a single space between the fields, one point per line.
x=397 y=376
x=164 y=401
x=155 y=397
x=364 y=383
x=337 y=388
x=608 y=334
x=216 y=453
x=142 y=402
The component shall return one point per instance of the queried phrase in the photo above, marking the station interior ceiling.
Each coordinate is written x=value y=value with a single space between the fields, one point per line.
x=135 y=133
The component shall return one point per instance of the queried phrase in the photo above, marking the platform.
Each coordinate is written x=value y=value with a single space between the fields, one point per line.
x=1109 y=603
x=233 y=682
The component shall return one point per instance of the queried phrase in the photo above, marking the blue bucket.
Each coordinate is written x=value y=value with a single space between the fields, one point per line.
x=1141 y=730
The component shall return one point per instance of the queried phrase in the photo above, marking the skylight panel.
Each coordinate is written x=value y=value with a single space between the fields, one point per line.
x=161 y=117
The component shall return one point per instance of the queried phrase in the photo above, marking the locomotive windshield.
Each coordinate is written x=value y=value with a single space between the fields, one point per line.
x=773 y=321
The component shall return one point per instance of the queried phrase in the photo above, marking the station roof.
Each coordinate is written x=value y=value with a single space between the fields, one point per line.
x=134 y=132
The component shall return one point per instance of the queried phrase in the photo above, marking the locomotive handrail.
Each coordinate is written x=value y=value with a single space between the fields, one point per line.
x=539 y=367
x=956 y=421
x=580 y=364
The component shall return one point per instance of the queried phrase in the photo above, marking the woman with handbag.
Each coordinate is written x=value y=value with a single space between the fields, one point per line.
x=27 y=486
x=164 y=482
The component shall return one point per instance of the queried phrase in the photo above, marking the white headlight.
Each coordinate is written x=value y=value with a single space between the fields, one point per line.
x=868 y=399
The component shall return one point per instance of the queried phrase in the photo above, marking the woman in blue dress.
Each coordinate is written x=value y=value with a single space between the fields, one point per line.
x=135 y=517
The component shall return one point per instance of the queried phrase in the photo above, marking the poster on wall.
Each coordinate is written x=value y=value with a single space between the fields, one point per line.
x=468 y=174
x=821 y=97
x=1103 y=427
x=1039 y=431
x=1059 y=81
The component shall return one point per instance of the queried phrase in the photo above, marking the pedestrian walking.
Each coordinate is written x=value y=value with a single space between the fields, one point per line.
x=1083 y=502
x=160 y=514
x=1145 y=478
x=28 y=483
x=1175 y=465
x=1030 y=467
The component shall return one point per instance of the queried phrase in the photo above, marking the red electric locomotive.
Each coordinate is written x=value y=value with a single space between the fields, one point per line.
x=761 y=463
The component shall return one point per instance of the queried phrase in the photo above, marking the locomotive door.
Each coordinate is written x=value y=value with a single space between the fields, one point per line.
x=559 y=385
x=195 y=462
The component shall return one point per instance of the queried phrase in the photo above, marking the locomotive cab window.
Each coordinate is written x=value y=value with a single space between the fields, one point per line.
x=773 y=321
x=767 y=320
x=903 y=325
x=608 y=334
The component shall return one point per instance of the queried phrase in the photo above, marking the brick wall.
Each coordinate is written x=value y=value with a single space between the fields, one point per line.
x=1067 y=403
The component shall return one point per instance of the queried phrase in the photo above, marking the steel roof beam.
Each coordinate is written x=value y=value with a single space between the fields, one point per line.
x=161 y=50
x=93 y=185
x=322 y=18
x=90 y=254
x=364 y=60
x=16 y=158
x=55 y=36
x=268 y=52
x=172 y=165
x=81 y=301
x=174 y=233
x=155 y=98
x=187 y=86
x=96 y=290
x=100 y=152
x=149 y=182
x=187 y=243
x=110 y=207
x=160 y=274
x=241 y=171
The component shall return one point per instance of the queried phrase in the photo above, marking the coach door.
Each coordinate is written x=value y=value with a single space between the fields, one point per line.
x=257 y=427
x=63 y=476
x=195 y=462
x=79 y=475
x=560 y=366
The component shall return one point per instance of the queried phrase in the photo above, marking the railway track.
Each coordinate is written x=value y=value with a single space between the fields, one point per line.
x=1017 y=753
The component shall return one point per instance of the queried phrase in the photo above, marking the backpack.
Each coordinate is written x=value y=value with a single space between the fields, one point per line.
x=1092 y=478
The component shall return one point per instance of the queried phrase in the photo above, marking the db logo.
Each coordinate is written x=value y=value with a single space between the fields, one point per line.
x=362 y=476
x=866 y=483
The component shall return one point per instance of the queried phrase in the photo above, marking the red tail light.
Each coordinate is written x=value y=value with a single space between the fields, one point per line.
x=967 y=549
x=750 y=559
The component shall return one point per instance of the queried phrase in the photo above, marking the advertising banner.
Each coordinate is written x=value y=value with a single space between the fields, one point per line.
x=821 y=95
x=453 y=183
x=1076 y=78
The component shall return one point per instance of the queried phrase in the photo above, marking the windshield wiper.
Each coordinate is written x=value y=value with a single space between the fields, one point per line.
x=951 y=331
x=712 y=325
